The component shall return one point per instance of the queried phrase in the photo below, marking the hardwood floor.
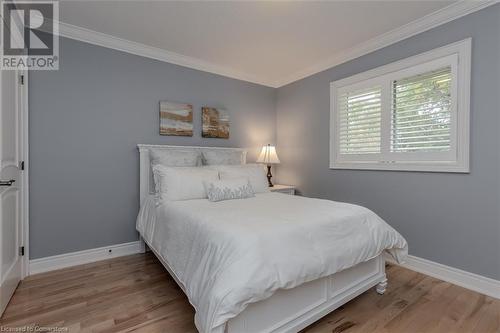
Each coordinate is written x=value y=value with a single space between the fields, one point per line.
x=136 y=294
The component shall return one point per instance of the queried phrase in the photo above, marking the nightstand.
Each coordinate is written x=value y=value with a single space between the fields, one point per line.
x=287 y=189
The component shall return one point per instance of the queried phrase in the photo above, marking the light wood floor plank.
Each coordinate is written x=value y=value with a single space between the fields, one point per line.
x=136 y=294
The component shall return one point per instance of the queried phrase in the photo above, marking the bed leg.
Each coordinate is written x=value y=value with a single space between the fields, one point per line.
x=142 y=245
x=381 y=287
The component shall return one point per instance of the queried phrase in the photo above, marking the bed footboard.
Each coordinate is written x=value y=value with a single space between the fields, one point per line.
x=290 y=310
x=293 y=309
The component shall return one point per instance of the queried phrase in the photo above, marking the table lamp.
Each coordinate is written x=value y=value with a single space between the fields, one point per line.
x=268 y=156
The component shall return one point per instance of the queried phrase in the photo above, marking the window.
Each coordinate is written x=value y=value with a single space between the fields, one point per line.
x=359 y=121
x=410 y=115
x=421 y=112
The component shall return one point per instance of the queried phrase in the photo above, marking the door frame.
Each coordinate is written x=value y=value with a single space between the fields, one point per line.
x=23 y=109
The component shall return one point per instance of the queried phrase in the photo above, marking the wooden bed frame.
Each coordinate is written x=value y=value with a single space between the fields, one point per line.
x=287 y=310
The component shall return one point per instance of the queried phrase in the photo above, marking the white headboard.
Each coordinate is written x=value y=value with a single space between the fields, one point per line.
x=145 y=183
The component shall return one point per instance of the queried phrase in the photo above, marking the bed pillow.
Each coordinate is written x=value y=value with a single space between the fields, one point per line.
x=172 y=158
x=222 y=157
x=229 y=189
x=182 y=183
x=175 y=157
x=255 y=174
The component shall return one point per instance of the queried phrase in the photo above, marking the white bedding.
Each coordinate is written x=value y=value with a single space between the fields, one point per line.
x=229 y=254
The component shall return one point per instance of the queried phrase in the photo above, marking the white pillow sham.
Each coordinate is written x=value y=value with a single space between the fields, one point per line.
x=222 y=157
x=175 y=157
x=255 y=174
x=182 y=183
x=172 y=158
x=229 y=189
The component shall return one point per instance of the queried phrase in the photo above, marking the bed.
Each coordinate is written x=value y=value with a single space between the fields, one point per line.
x=267 y=263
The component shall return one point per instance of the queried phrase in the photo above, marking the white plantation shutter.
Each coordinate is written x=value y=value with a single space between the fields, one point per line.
x=421 y=115
x=359 y=121
x=409 y=115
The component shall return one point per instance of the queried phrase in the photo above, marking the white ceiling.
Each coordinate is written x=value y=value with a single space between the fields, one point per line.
x=268 y=41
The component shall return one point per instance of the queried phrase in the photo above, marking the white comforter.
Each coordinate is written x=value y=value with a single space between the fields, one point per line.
x=231 y=253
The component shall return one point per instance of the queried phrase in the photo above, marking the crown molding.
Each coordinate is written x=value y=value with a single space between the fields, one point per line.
x=442 y=16
x=432 y=20
x=124 y=45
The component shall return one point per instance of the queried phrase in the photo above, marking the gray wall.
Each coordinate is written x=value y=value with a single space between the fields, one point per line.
x=85 y=122
x=86 y=119
x=453 y=219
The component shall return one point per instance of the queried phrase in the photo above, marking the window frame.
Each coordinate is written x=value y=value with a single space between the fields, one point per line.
x=458 y=57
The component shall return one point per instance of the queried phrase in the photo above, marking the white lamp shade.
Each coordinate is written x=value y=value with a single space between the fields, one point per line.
x=268 y=155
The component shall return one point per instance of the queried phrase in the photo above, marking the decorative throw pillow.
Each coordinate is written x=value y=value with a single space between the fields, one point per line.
x=223 y=157
x=182 y=183
x=255 y=173
x=229 y=189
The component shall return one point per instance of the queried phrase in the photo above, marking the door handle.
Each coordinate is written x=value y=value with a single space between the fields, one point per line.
x=7 y=182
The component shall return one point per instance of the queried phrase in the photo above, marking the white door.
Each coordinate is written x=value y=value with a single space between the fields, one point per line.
x=11 y=233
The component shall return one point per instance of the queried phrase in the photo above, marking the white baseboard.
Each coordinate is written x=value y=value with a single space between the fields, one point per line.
x=82 y=257
x=475 y=282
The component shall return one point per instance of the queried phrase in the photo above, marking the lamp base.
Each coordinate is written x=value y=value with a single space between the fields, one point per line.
x=269 y=176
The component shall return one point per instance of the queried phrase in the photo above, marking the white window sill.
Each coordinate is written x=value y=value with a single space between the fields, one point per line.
x=403 y=166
